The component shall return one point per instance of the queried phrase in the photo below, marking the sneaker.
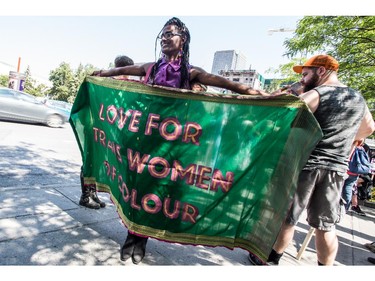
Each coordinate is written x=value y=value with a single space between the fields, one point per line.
x=370 y=246
x=372 y=260
x=257 y=261
x=358 y=211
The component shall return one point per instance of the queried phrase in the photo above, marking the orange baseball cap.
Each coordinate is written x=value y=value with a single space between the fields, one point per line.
x=326 y=61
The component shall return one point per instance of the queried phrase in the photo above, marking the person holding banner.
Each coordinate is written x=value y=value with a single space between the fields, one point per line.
x=171 y=70
x=121 y=61
x=89 y=197
x=344 y=117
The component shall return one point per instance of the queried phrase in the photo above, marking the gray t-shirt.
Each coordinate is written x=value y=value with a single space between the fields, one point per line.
x=339 y=114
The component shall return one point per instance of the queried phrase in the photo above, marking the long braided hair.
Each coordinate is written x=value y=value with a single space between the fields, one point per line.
x=185 y=83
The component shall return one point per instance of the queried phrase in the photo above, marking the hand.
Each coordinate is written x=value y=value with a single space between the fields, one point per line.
x=96 y=73
x=257 y=92
x=278 y=92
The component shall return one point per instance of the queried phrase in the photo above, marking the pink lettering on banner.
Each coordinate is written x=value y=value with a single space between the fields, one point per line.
x=123 y=189
x=158 y=167
x=123 y=117
x=190 y=213
x=151 y=124
x=176 y=208
x=170 y=128
x=153 y=204
x=192 y=133
x=199 y=175
x=111 y=114
x=179 y=172
x=224 y=182
x=153 y=208
x=134 y=122
x=135 y=162
x=100 y=136
x=175 y=133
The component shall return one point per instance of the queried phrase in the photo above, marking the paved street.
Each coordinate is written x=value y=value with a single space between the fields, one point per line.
x=41 y=222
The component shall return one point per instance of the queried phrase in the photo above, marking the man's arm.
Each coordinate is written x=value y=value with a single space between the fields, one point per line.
x=312 y=99
x=367 y=126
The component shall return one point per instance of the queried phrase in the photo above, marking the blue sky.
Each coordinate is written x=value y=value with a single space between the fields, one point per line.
x=45 y=34
x=43 y=42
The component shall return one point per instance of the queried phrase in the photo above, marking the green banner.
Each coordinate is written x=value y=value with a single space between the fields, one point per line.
x=207 y=169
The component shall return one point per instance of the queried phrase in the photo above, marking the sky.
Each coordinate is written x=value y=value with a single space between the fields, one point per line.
x=44 y=42
x=43 y=34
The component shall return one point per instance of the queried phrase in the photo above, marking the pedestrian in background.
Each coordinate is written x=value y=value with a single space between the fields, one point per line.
x=89 y=197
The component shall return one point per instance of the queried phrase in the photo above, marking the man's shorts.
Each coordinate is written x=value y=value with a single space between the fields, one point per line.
x=319 y=191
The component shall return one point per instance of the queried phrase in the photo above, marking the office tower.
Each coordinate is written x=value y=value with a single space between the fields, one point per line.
x=228 y=60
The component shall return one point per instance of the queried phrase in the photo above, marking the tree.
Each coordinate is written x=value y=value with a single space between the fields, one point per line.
x=65 y=81
x=62 y=79
x=349 y=39
x=32 y=87
x=286 y=72
x=79 y=76
x=4 y=80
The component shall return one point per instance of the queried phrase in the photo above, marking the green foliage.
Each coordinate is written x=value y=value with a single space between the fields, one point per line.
x=32 y=87
x=349 y=39
x=286 y=72
x=4 y=79
x=65 y=81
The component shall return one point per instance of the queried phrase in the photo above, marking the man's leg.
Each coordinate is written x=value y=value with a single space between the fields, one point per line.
x=305 y=187
x=326 y=244
x=324 y=213
x=284 y=238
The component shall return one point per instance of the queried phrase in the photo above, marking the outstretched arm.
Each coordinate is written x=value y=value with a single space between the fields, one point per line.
x=217 y=81
x=136 y=70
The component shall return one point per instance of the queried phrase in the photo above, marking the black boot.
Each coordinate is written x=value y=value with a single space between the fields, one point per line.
x=86 y=199
x=139 y=249
x=128 y=247
x=94 y=196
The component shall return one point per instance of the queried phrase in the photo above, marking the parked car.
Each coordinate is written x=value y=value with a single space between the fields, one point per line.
x=22 y=107
x=61 y=105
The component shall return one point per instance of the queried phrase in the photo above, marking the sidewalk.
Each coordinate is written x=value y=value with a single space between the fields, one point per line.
x=44 y=225
x=41 y=222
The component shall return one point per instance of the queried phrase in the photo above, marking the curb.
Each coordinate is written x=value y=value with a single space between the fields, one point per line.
x=369 y=204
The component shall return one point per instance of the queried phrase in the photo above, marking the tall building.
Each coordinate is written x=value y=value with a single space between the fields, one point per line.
x=249 y=77
x=228 y=60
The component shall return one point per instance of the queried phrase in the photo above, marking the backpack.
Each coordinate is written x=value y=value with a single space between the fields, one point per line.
x=359 y=162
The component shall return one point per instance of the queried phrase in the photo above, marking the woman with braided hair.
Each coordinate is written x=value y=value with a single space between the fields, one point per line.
x=172 y=69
